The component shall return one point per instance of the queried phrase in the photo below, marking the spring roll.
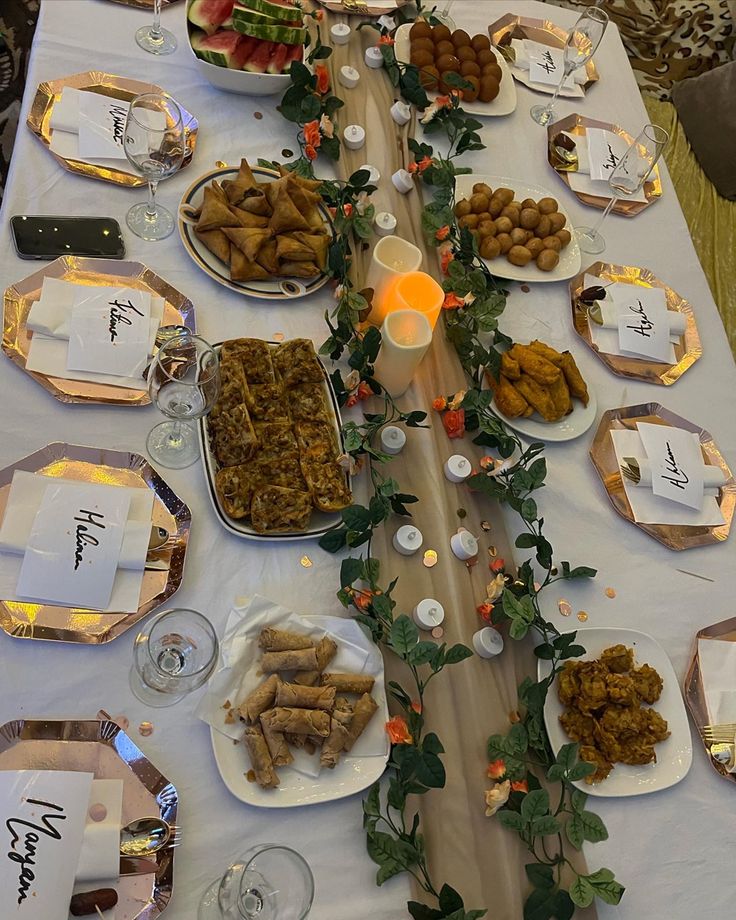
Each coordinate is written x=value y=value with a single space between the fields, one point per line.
x=334 y=743
x=326 y=651
x=277 y=746
x=300 y=721
x=349 y=683
x=365 y=709
x=297 y=741
x=282 y=640
x=303 y=659
x=260 y=757
x=305 y=697
x=259 y=700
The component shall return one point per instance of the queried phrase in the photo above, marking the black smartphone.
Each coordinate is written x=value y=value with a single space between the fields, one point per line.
x=41 y=237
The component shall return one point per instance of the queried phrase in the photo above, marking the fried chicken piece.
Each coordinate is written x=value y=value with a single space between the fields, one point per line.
x=510 y=367
x=546 y=351
x=622 y=721
x=538 y=368
x=560 y=395
x=648 y=683
x=568 y=683
x=618 y=658
x=509 y=400
x=593 y=690
x=603 y=767
x=578 y=727
x=537 y=396
x=621 y=690
x=574 y=378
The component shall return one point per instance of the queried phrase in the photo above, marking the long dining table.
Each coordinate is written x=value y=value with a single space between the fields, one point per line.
x=671 y=849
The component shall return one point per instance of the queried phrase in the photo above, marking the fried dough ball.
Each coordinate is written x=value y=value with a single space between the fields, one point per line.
x=460 y=38
x=420 y=29
x=488 y=228
x=512 y=213
x=505 y=194
x=564 y=236
x=465 y=53
x=544 y=227
x=469 y=220
x=529 y=218
x=429 y=77
x=547 y=205
x=492 y=70
x=462 y=208
x=422 y=44
x=496 y=205
x=535 y=246
x=422 y=58
x=504 y=224
x=518 y=255
x=529 y=203
x=440 y=33
x=490 y=248
x=520 y=236
x=480 y=43
x=485 y=56
x=489 y=88
x=617 y=658
x=552 y=242
x=447 y=62
x=547 y=260
x=444 y=47
x=483 y=187
x=504 y=241
x=556 y=221
x=469 y=69
x=647 y=682
x=479 y=202
x=470 y=95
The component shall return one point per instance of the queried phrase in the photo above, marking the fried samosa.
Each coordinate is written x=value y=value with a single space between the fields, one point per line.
x=248 y=239
x=217 y=243
x=215 y=212
x=286 y=216
x=242 y=269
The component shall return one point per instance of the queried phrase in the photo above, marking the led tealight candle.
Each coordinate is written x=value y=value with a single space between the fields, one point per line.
x=405 y=338
x=412 y=291
x=464 y=545
x=391 y=257
x=407 y=540
x=457 y=468
x=374 y=173
x=392 y=439
x=354 y=137
x=349 y=77
x=385 y=223
x=340 y=33
x=400 y=112
x=488 y=642
x=428 y=614
x=373 y=57
x=402 y=181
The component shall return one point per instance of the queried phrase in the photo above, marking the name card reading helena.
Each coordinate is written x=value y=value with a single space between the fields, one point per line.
x=42 y=818
x=677 y=463
x=74 y=545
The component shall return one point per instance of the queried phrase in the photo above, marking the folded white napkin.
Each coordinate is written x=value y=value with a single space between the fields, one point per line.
x=65 y=113
x=580 y=180
x=99 y=858
x=64 y=124
x=649 y=508
x=713 y=476
x=519 y=47
x=26 y=492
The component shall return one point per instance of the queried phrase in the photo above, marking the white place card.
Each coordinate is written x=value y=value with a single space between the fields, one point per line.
x=109 y=332
x=605 y=150
x=677 y=463
x=643 y=321
x=546 y=65
x=102 y=126
x=74 y=546
x=42 y=817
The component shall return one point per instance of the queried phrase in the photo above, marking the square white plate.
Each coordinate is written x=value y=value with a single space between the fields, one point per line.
x=674 y=755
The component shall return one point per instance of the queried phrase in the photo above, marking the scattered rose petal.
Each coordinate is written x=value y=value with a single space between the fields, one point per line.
x=305 y=562
x=122 y=721
x=564 y=607
x=582 y=616
x=514 y=716
x=610 y=592
x=537 y=586
x=430 y=558
x=145 y=729
x=438 y=632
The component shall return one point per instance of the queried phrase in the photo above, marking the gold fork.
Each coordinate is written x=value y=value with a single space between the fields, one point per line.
x=724 y=731
x=355 y=6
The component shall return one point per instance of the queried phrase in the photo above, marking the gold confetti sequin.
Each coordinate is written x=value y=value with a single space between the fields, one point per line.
x=564 y=607
x=461 y=513
x=278 y=336
x=438 y=632
x=610 y=592
x=430 y=558
x=122 y=721
x=145 y=729
x=582 y=616
x=485 y=525
x=305 y=562
x=492 y=552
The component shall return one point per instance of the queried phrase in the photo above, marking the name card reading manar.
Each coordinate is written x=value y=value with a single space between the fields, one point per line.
x=102 y=126
x=677 y=463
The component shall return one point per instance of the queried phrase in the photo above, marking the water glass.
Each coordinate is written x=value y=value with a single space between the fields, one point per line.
x=174 y=654
x=268 y=882
x=628 y=176
x=153 y=38
x=155 y=140
x=184 y=382
x=581 y=44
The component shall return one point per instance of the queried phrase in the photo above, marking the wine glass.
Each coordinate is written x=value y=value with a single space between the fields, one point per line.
x=581 y=44
x=173 y=654
x=153 y=38
x=268 y=882
x=184 y=382
x=627 y=177
x=155 y=139
x=443 y=15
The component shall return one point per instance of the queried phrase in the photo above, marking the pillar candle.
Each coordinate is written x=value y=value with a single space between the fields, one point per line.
x=412 y=291
x=391 y=257
x=406 y=335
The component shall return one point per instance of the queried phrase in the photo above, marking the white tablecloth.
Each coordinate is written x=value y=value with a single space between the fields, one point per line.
x=671 y=849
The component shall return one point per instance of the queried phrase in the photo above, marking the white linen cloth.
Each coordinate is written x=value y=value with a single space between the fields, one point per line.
x=26 y=492
x=651 y=594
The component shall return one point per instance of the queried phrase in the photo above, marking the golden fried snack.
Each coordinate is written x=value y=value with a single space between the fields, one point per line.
x=647 y=682
x=538 y=368
x=578 y=726
x=260 y=757
x=618 y=658
x=326 y=650
x=621 y=690
x=568 y=683
x=603 y=767
x=537 y=397
x=560 y=395
x=574 y=377
x=509 y=400
x=510 y=367
x=593 y=690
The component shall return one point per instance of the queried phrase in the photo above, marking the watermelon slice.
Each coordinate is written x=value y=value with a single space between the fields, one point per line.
x=224 y=49
x=278 y=59
x=272 y=33
x=276 y=9
x=259 y=58
x=209 y=15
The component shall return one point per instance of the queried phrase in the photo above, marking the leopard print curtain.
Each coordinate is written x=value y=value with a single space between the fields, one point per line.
x=669 y=40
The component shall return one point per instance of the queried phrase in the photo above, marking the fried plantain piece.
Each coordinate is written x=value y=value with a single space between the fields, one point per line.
x=509 y=400
x=538 y=368
x=560 y=395
x=617 y=658
x=546 y=351
x=648 y=683
x=574 y=378
x=537 y=397
x=510 y=367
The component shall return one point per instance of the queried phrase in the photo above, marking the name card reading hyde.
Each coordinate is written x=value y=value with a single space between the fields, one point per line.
x=605 y=149
x=546 y=65
x=42 y=818
x=677 y=463
x=109 y=332
x=74 y=545
x=643 y=321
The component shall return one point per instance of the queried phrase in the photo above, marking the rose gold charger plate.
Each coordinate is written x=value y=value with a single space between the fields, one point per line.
x=103 y=748
x=106 y=84
x=20 y=297
x=687 y=350
x=362 y=7
x=542 y=31
x=143 y=4
x=694 y=688
x=164 y=565
x=602 y=454
x=577 y=125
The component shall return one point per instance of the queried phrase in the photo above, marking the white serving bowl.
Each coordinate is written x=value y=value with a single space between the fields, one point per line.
x=241 y=81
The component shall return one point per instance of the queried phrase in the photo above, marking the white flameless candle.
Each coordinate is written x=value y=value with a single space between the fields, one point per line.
x=464 y=545
x=374 y=173
x=407 y=540
x=391 y=257
x=428 y=613
x=349 y=77
x=385 y=223
x=373 y=57
x=488 y=642
x=354 y=137
x=405 y=337
x=393 y=439
x=400 y=112
x=340 y=33
x=402 y=181
x=457 y=468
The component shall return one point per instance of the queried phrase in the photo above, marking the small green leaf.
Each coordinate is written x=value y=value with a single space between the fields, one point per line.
x=574 y=831
x=450 y=900
x=510 y=819
x=372 y=802
x=421 y=653
x=581 y=770
x=430 y=770
x=457 y=653
x=582 y=892
x=404 y=635
x=539 y=875
x=578 y=800
x=567 y=756
x=594 y=830
x=534 y=805
x=545 y=825
x=334 y=540
x=518 y=629
x=432 y=743
x=351 y=570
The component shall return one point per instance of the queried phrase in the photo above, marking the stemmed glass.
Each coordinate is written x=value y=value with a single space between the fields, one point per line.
x=443 y=15
x=268 y=882
x=627 y=177
x=184 y=382
x=173 y=654
x=155 y=139
x=154 y=38
x=581 y=44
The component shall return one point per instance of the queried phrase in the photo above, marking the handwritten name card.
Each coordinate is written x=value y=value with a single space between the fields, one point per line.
x=643 y=321
x=102 y=126
x=74 y=546
x=546 y=65
x=42 y=817
x=676 y=461
x=605 y=149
